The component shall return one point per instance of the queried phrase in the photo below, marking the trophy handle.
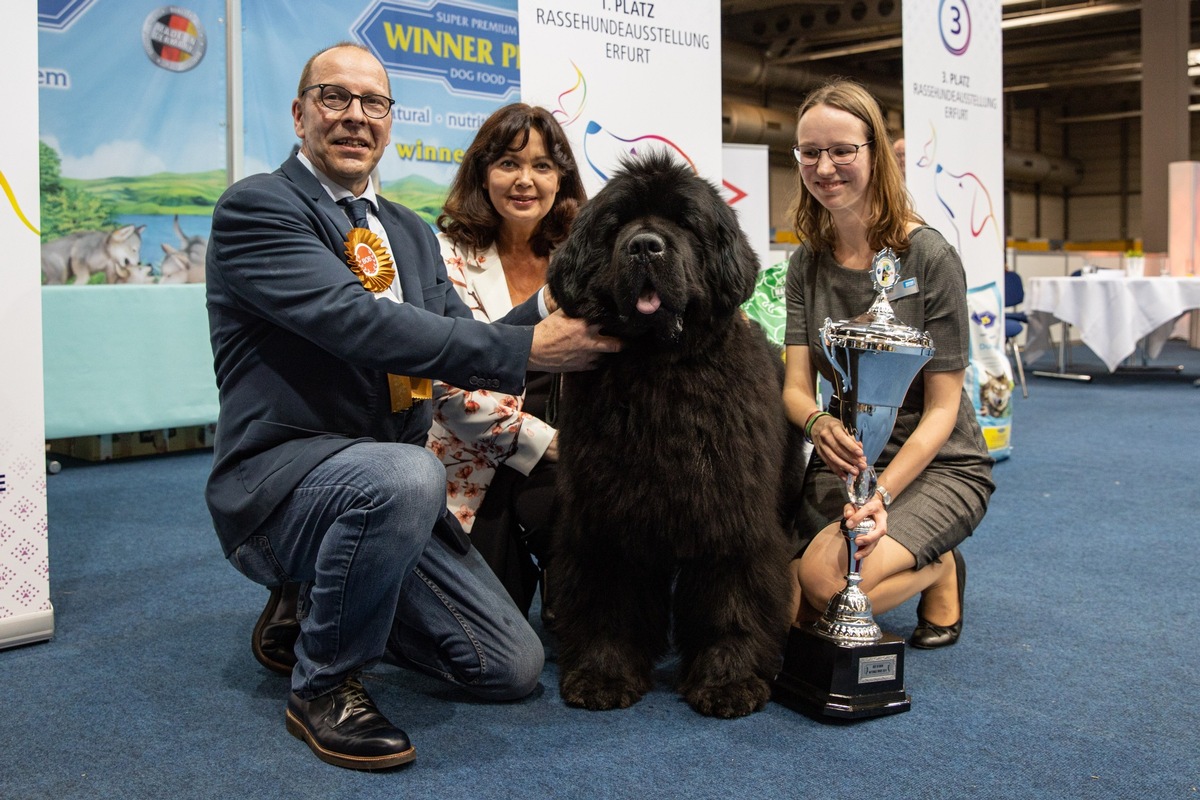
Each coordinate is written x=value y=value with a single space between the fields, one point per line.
x=831 y=355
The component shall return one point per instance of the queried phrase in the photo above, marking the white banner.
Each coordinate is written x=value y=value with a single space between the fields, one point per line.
x=745 y=186
x=953 y=102
x=954 y=159
x=623 y=76
x=25 y=611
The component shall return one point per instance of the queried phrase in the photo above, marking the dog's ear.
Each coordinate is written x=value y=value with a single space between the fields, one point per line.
x=574 y=262
x=736 y=264
x=563 y=275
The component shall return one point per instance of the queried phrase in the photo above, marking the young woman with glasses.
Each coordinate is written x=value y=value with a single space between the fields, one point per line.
x=935 y=472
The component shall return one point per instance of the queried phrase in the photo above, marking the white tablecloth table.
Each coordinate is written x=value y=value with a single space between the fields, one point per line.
x=1111 y=312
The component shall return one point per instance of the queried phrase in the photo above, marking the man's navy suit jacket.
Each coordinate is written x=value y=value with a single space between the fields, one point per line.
x=302 y=351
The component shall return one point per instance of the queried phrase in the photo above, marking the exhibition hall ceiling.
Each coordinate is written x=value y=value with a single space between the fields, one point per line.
x=1074 y=60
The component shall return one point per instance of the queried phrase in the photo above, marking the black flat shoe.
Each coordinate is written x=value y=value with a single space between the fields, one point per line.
x=344 y=728
x=273 y=640
x=928 y=636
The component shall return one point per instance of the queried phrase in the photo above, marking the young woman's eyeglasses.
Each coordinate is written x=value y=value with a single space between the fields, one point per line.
x=840 y=154
x=338 y=98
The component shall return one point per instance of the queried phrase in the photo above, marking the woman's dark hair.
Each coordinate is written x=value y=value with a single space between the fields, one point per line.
x=469 y=218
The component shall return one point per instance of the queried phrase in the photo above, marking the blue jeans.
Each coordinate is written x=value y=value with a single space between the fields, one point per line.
x=358 y=530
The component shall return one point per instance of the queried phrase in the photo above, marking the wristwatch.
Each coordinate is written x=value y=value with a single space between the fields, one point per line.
x=885 y=495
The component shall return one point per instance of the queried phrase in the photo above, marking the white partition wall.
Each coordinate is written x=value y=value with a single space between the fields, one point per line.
x=1183 y=240
x=25 y=611
x=1183 y=255
x=744 y=185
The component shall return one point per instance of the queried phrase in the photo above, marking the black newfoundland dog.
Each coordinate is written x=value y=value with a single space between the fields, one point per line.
x=672 y=453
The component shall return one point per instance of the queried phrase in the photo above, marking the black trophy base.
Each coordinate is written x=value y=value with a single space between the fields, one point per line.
x=826 y=679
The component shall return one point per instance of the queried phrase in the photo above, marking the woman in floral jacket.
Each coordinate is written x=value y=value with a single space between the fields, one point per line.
x=511 y=203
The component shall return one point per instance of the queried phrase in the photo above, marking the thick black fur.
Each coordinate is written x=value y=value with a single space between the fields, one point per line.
x=671 y=454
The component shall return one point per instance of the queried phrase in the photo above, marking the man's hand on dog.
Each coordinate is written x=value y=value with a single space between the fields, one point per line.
x=568 y=344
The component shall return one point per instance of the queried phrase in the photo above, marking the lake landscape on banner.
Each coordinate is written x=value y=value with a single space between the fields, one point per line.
x=160 y=229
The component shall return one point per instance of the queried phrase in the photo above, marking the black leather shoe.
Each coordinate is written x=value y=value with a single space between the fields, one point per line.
x=928 y=636
x=344 y=728
x=274 y=638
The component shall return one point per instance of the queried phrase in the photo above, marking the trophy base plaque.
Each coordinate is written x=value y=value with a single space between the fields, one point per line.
x=824 y=678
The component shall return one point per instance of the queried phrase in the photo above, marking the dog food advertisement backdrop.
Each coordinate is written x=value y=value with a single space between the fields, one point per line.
x=451 y=63
x=989 y=378
x=25 y=611
x=953 y=104
x=132 y=152
x=625 y=77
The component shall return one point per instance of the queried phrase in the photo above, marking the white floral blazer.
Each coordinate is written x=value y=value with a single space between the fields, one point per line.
x=475 y=432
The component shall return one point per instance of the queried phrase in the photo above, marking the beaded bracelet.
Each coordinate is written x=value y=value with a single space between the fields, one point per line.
x=812 y=420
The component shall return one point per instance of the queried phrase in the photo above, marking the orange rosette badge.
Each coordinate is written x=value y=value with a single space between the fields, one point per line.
x=369 y=260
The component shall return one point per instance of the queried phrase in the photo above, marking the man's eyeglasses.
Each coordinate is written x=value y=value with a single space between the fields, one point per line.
x=338 y=98
x=841 y=154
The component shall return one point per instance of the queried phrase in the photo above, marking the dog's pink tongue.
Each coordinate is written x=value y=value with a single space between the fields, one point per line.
x=649 y=303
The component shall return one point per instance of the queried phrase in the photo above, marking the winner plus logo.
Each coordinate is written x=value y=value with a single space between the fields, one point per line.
x=473 y=51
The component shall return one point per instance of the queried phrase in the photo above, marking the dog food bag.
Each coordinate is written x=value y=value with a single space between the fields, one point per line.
x=767 y=305
x=989 y=379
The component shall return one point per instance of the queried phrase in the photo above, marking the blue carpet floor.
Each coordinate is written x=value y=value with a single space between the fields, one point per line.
x=1077 y=675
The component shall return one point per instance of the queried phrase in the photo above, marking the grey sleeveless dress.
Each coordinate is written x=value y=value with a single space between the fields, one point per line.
x=945 y=503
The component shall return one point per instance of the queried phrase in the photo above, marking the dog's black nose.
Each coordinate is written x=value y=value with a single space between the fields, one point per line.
x=646 y=245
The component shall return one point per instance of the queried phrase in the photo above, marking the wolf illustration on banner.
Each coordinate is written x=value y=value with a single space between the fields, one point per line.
x=184 y=264
x=81 y=254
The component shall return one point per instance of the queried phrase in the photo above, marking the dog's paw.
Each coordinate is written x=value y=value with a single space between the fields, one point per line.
x=729 y=700
x=597 y=692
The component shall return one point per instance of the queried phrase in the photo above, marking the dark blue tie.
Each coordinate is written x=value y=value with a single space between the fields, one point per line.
x=356 y=210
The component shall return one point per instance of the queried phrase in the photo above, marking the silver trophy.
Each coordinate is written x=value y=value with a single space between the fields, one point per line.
x=843 y=664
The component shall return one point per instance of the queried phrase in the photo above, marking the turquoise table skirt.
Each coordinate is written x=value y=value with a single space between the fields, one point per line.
x=126 y=358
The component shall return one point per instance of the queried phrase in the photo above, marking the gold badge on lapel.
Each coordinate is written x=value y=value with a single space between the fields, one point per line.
x=369 y=260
